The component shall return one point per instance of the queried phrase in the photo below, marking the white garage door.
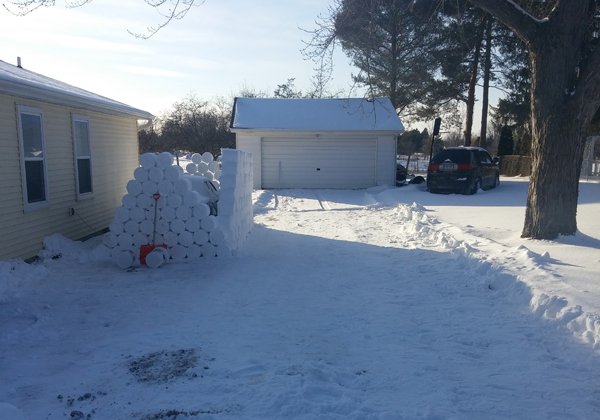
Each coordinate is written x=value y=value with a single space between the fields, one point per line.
x=318 y=163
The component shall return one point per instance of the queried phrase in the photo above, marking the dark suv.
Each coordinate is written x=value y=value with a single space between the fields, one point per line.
x=463 y=170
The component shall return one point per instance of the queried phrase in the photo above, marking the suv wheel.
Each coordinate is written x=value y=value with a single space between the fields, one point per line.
x=474 y=187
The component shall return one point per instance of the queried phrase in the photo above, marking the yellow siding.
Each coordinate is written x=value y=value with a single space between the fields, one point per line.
x=114 y=148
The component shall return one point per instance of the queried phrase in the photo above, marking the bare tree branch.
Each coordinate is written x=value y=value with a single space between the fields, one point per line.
x=512 y=15
x=169 y=10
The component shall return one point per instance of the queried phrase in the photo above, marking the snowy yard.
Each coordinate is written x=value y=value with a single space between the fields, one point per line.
x=341 y=305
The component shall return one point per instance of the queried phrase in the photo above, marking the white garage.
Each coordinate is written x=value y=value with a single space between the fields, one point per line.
x=318 y=143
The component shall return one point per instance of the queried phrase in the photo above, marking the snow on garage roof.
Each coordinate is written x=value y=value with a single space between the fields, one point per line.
x=17 y=81
x=351 y=114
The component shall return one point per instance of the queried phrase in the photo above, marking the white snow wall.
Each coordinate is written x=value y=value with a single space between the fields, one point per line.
x=235 y=196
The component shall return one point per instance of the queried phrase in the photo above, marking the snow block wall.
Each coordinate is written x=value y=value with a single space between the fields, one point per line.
x=235 y=197
x=184 y=223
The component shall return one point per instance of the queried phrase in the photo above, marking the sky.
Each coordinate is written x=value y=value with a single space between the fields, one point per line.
x=218 y=49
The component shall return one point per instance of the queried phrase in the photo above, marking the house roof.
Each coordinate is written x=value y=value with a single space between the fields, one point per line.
x=23 y=83
x=315 y=115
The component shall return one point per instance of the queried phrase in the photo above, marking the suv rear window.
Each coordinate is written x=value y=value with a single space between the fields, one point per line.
x=454 y=155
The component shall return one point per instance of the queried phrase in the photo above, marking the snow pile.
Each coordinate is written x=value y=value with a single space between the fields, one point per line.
x=164 y=206
x=16 y=275
x=235 y=198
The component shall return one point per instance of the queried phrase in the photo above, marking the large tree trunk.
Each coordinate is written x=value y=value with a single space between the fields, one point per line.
x=487 y=69
x=472 y=85
x=557 y=152
x=559 y=127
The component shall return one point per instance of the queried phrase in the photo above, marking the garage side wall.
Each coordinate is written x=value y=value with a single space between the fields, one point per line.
x=386 y=160
x=114 y=156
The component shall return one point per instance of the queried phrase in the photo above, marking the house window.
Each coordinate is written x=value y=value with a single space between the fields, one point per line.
x=33 y=157
x=83 y=157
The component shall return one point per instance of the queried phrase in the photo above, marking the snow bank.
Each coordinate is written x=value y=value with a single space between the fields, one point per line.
x=517 y=272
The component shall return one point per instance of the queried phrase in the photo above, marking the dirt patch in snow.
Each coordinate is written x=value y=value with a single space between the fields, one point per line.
x=163 y=366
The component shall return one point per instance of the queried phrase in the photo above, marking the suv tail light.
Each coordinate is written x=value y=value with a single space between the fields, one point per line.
x=433 y=167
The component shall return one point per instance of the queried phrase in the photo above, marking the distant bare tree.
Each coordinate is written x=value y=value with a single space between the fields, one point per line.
x=168 y=9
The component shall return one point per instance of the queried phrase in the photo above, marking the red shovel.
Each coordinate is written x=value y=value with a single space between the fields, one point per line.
x=148 y=248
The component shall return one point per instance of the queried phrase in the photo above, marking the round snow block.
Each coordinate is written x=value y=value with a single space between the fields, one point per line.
x=222 y=251
x=165 y=159
x=183 y=212
x=191 y=168
x=125 y=259
x=129 y=201
x=209 y=223
x=196 y=158
x=144 y=201
x=177 y=226
x=131 y=227
x=201 y=211
x=148 y=160
x=168 y=214
x=171 y=238
x=134 y=187
x=122 y=214
x=165 y=187
x=162 y=227
x=116 y=227
x=182 y=185
x=192 y=225
x=140 y=174
x=186 y=238
x=208 y=250
x=149 y=187
x=194 y=252
x=147 y=227
x=217 y=238
x=139 y=239
x=124 y=240
x=110 y=240
x=174 y=200
x=137 y=214
x=191 y=198
x=178 y=253
x=200 y=237
x=172 y=173
x=157 y=257
x=213 y=166
x=155 y=174
x=202 y=168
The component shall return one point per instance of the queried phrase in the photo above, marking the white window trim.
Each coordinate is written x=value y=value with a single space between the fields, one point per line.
x=81 y=118
x=27 y=206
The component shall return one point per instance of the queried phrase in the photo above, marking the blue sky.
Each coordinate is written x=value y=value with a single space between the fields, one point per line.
x=219 y=48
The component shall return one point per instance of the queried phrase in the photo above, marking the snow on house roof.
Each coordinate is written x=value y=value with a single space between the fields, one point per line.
x=23 y=83
x=351 y=114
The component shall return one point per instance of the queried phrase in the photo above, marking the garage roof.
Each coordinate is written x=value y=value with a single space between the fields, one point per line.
x=350 y=114
x=17 y=81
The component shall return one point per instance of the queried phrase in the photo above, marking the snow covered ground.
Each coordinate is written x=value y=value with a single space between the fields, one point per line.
x=380 y=304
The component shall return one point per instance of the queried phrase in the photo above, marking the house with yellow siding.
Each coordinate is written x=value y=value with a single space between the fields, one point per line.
x=66 y=155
